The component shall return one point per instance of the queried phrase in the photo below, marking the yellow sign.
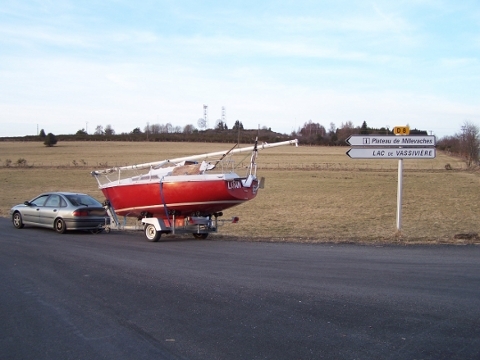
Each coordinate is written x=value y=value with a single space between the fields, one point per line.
x=401 y=130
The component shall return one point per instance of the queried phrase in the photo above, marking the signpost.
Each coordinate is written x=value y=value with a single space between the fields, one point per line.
x=393 y=147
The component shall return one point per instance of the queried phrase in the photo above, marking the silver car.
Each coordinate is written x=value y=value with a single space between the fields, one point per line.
x=61 y=211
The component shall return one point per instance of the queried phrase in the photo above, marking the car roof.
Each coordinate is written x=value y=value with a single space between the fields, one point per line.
x=62 y=193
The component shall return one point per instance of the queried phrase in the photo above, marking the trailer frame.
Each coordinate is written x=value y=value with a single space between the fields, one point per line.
x=154 y=227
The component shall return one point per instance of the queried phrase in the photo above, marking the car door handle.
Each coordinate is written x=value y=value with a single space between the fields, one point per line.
x=54 y=210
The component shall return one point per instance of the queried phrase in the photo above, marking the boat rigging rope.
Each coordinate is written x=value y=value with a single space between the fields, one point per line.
x=241 y=161
x=164 y=204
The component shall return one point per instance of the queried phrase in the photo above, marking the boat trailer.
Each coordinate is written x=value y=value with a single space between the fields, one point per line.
x=153 y=227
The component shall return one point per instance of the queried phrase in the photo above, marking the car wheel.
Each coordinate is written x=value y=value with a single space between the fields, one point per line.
x=60 y=226
x=17 y=220
x=151 y=233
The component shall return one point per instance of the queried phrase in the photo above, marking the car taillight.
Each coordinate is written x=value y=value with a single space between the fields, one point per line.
x=80 y=213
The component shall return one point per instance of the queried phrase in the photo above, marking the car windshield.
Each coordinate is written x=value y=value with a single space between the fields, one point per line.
x=79 y=200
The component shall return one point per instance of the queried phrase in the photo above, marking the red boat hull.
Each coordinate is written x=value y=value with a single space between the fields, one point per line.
x=185 y=198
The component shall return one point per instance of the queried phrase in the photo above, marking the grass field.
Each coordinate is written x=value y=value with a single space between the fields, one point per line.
x=312 y=194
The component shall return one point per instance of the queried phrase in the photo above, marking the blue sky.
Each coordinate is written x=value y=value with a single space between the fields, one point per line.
x=68 y=65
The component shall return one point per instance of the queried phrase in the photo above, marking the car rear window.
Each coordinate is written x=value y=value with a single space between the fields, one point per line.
x=79 y=200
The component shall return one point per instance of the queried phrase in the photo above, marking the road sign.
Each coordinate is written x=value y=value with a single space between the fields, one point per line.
x=385 y=140
x=392 y=153
x=401 y=130
x=393 y=147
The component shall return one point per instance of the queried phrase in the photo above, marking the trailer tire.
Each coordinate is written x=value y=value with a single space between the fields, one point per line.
x=200 y=236
x=152 y=233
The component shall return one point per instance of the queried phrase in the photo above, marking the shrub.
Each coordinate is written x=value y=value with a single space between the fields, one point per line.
x=50 y=140
x=21 y=162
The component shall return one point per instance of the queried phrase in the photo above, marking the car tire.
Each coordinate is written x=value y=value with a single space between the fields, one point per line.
x=17 y=220
x=59 y=226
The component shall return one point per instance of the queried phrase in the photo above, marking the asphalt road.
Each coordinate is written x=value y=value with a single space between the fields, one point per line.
x=117 y=296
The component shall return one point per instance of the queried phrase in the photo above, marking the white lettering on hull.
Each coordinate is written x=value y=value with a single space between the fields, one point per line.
x=232 y=185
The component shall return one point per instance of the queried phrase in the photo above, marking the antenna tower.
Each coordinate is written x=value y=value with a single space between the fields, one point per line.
x=205 y=115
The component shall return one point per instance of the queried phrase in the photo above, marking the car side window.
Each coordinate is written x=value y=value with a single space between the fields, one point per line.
x=63 y=203
x=53 y=201
x=40 y=201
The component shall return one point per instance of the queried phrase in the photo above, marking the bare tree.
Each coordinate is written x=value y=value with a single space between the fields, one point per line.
x=470 y=143
x=312 y=129
x=155 y=128
x=188 y=129
x=345 y=131
x=332 y=130
x=109 y=130
x=99 y=130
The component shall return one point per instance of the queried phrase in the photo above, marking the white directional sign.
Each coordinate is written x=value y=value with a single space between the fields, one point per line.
x=401 y=146
x=385 y=140
x=392 y=153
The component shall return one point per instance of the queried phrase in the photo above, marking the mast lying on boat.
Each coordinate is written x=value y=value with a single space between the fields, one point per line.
x=158 y=164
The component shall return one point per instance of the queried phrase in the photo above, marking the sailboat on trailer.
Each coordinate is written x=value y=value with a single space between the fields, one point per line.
x=181 y=188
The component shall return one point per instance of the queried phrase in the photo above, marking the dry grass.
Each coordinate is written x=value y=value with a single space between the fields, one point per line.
x=312 y=194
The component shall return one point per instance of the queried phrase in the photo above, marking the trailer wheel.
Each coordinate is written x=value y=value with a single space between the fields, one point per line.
x=200 y=236
x=151 y=233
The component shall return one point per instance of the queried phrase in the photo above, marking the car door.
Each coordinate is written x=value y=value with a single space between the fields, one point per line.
x=49 y=211
x=31 y=212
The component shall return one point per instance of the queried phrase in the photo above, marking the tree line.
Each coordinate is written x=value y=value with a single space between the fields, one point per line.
x=464 y=144
x=309 y=134
x=154 y=129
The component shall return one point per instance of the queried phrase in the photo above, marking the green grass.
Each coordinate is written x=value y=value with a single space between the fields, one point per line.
x=312 y=194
